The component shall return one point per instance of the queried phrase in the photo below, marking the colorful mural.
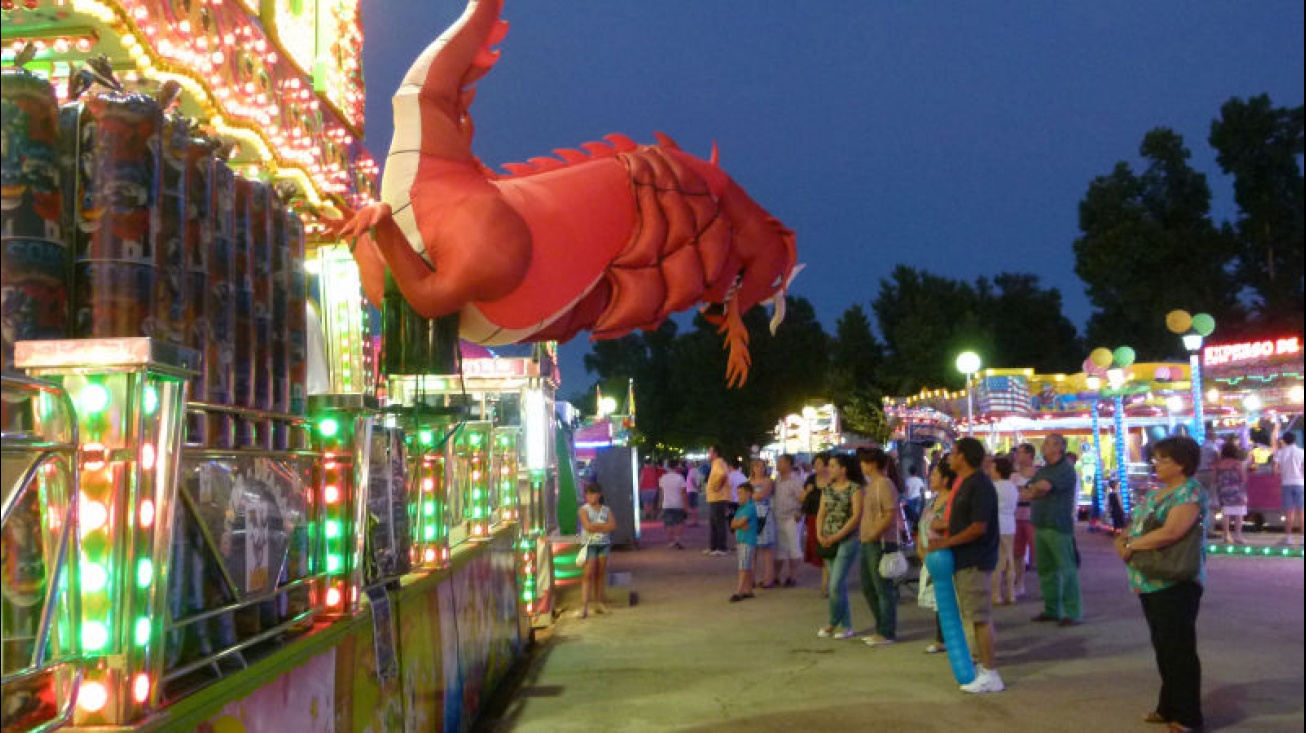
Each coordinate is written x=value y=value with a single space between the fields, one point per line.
x=301 y=700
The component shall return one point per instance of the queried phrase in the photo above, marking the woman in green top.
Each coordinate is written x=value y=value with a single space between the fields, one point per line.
x=1171 y=606
x=836 y=523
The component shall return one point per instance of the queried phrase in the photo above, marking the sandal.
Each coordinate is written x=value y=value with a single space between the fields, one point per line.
x=1155 y=718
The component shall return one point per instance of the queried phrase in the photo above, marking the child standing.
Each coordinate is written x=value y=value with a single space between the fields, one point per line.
x=1004 y=576
x=596 y=522
x=745 y=526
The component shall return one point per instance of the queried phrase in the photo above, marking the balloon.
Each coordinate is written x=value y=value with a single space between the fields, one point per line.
x=1178 y=321
x=1123 y=357
x=1204 y=324
x=940 y=565
x=1162 y=374
x=1101 y=357
x=1089 y=366
x=612 y=238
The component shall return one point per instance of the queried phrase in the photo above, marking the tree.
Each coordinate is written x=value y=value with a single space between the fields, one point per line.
x=1029 y=326
x=1148 y=246
x=1261 y=146
x=856 y=356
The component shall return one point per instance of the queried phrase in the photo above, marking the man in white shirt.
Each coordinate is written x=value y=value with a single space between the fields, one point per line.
x=735 y=478
x=1288 y=466
x=673 y=489
x=788 y=515
x=913 y=496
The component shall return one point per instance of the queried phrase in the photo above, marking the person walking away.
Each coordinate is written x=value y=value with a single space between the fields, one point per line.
x=941 y=480
x=971 y=516
x=1022 y=545
x=788 y=515
x=881 y=530
x=1171 y=606
x=672 y=486
x=813 y=488
x=648 y=489
x=837 y=522
x=1288 y=466
x=1004 y=575
x=596 y=523
x=913 y=495
x=1231 y=488
x=693 y=486
x=744 y=524
x=763 y=500
x=1052 y=495
x=718 y=502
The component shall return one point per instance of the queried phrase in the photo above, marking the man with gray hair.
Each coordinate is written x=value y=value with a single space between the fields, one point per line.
x=1051 y=493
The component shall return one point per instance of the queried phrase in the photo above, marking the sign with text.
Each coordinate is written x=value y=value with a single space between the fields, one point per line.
x=1220 y=354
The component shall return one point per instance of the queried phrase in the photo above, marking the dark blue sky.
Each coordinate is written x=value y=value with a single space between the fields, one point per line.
x=953 y=136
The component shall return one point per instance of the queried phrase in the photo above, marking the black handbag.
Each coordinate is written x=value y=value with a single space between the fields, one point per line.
x=827 y=553
x=1178 y=562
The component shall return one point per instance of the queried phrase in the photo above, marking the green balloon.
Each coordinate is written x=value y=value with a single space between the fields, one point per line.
x=1204 y=324
x=1123 y=356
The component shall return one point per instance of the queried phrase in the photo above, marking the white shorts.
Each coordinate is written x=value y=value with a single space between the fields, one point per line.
x=1234 y=510
x=788 y=540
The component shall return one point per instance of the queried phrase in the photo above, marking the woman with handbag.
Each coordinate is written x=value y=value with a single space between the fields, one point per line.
x=1165 y=553
x=941 y=480
x=882 y=561
x=837 y=522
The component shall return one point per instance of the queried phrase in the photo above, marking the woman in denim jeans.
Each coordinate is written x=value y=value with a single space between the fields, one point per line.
x=837 y=522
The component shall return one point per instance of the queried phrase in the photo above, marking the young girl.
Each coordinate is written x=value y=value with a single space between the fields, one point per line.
x=596 y=521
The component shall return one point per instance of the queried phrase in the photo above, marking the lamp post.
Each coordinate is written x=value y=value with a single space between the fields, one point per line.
x=1094 y=384
x=968 y=363
x=1115 y=362
x=1193 y=329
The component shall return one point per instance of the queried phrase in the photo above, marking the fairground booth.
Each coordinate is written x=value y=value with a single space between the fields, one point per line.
x=237 y=495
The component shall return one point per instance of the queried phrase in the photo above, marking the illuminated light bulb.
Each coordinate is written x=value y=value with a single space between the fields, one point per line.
x=93 y=398
x=147 y=513
x=151 y=399
x=94 y=577
x=333 y=597
x=144 y=573
x=428 y=484
x=147 y=457
x=94 y=516
x=141 y=688
x=429 y=555
x=92 y=697
x=331 y=494
x=94 y=636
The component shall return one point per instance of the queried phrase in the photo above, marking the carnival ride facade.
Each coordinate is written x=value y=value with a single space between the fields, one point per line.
x=237 y=494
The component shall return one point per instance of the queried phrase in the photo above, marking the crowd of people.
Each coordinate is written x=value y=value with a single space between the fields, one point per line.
x=996 y=513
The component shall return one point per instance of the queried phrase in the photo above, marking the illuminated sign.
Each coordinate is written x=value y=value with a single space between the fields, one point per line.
x=1218 y=354
x=500 y=368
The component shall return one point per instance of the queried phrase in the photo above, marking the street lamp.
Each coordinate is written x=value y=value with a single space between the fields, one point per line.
x=968 y=363
x=1115 y=363
x=1193 y=329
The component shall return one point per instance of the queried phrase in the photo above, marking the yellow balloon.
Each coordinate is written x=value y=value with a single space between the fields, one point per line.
x=1102 y=357
x=1178 y=321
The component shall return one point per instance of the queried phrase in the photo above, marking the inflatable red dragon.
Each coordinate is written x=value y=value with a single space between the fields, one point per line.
x=612 y=239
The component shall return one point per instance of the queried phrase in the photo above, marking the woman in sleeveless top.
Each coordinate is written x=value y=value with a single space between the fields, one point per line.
x=1231 y=487
x=837 y=522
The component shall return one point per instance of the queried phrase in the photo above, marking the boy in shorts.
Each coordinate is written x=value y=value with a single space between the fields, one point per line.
x=745 y=526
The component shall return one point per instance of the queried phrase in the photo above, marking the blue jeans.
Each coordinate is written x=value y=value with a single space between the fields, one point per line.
x=841 y=567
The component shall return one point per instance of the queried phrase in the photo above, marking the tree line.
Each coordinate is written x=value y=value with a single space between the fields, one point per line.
x=1148 y=244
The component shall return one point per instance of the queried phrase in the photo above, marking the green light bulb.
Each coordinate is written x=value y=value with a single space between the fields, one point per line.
x=328 y=427
x=144 y=573
x=94 y=636
x=333 y=563
x=426 y=437
x=333 y=528
x=142 y=631
x=93 y=398
x=94 y=577
x=151 y=399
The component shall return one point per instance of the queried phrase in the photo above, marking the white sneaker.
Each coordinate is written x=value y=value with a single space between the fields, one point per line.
x=845 y=634
x=877 y=640
x=824 y=633
x=987 y=680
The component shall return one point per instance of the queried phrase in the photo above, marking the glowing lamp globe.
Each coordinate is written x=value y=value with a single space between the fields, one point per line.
x=968 y=362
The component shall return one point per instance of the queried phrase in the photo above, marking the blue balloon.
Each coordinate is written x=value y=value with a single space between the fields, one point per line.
x=940 y=565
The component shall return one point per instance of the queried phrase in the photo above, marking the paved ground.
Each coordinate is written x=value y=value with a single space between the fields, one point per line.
x=684 y=659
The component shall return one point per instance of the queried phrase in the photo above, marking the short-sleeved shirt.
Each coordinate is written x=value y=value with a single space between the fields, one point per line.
x=913 y=487
x=1289 y=460
x=881 y=499
x=673 y=490
x=838 y=507
x=1008 y=498
x=1056 y=508
x=736 y=479
x=718 y=486
x=1188 y=493
x=976 y=501
x=748 y=535
x=788 y=494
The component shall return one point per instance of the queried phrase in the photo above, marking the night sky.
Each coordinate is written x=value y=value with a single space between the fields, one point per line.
x=953 y=136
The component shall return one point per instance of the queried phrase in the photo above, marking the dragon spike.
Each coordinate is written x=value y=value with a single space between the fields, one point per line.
x=169 y=94
x=715 y=160
x=545 y=163
x=486 y=57
x=571 y=155
x=519 y=169
x=599 y=150
x=665 y=141
x=621 y=142
x=498 y=33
